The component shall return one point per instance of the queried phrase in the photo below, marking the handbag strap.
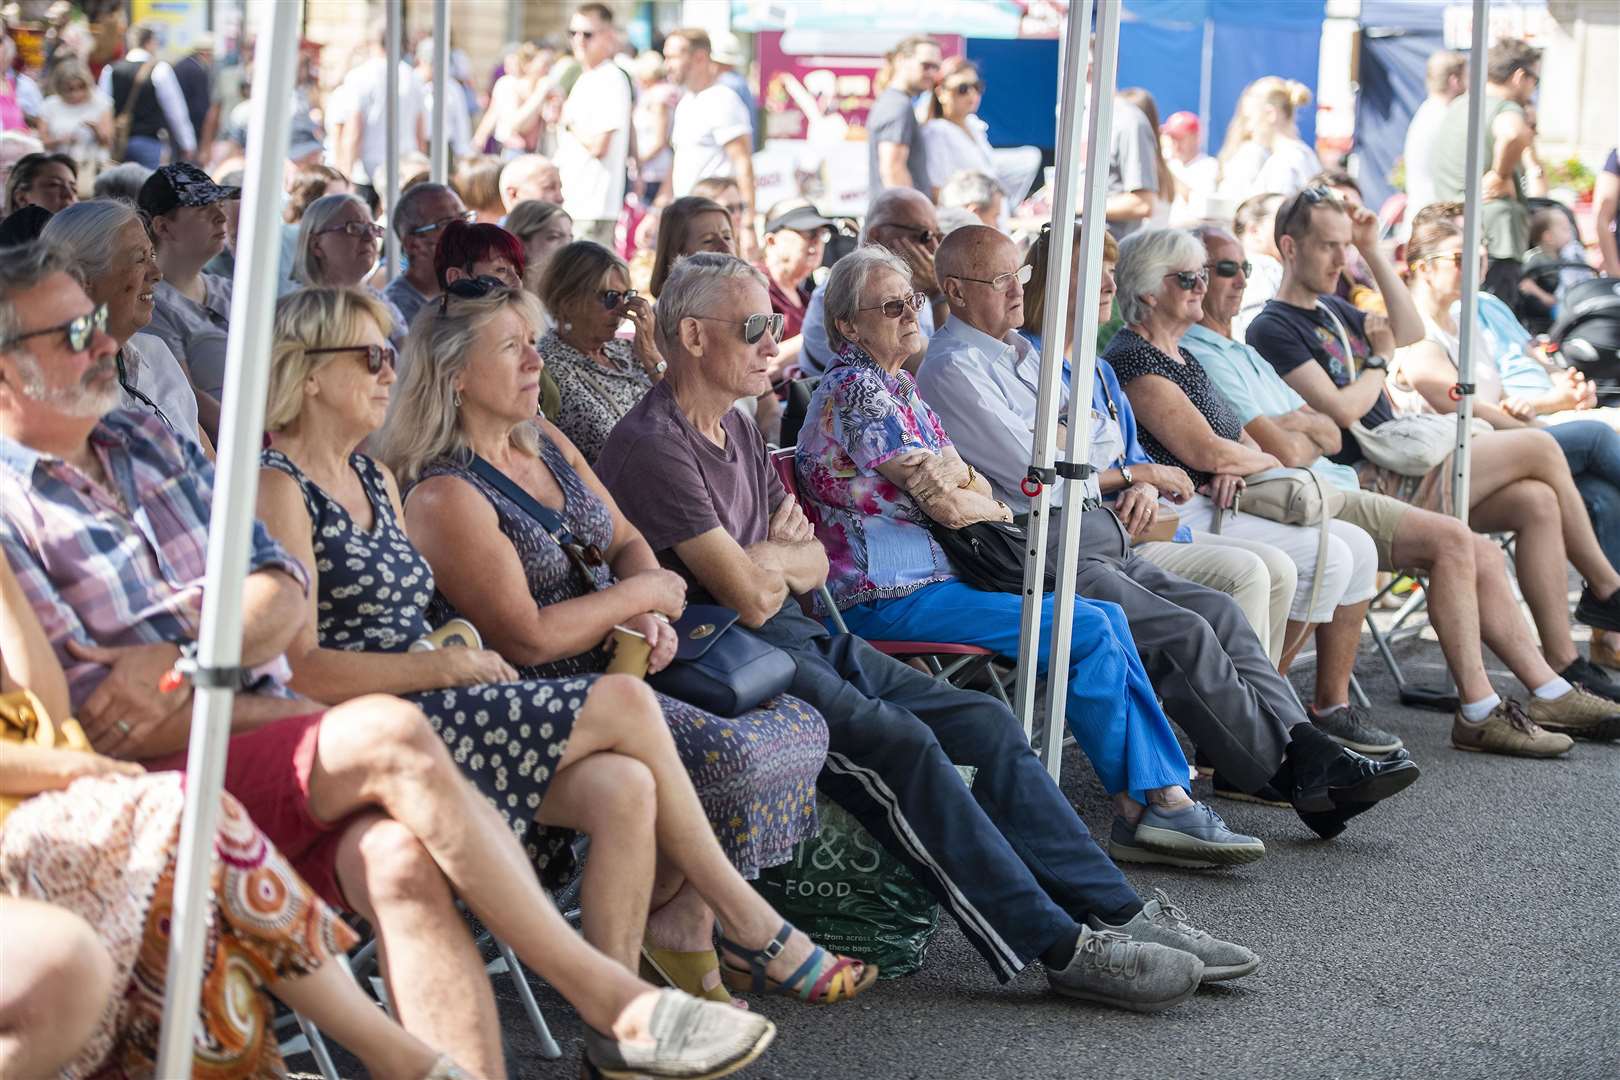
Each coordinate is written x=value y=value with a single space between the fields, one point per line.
x=543 y=515
x=145 y=73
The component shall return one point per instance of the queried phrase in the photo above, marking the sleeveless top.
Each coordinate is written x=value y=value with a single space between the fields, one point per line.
x=551 y=574
x=375 y=587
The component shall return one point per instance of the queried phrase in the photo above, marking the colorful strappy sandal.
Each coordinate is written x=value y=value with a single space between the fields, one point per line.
x=821 y=980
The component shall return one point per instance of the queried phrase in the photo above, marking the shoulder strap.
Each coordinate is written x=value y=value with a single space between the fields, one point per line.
x=1344 y=335
x=543 y=515
x=271 y=458
x=135 y=89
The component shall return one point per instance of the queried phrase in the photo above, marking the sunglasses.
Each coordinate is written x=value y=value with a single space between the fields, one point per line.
x=924 y=236
x=475 y=288
x=467 y=216
x=1001 y=281
x=1190 y=279
x=1308 y=197
x=893 y=309
x=1230 y=268
x=612 y=299
x=1454 y=257
x=377 y=356
x=78 y=332
x=966 y=88
x=754 y=327
x=360 y=230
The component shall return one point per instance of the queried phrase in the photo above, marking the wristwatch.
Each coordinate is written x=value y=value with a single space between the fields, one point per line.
x=1375 y=363
x=1125 y=474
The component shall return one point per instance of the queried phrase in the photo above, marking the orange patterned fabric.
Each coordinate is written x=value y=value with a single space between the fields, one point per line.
x=105 y=849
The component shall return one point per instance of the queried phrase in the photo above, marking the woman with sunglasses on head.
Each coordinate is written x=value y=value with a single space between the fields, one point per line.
x=1184 y=422
x=877 y=465
x=600 y=375
x=337 y=247
x=1259 y=577
x=548 y=598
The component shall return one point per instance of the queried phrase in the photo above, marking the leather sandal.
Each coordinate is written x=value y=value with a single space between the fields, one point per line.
x=822 y=979
x=686 y=971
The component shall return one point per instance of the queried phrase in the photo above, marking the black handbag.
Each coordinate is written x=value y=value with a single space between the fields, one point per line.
x=989 y=555
x=719 y=666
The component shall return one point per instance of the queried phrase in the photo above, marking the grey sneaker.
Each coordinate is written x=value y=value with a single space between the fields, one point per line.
x=1194 y=836
x=691 y=1039
x=1162 y=923
x=1351 y=726
x=1140 y=976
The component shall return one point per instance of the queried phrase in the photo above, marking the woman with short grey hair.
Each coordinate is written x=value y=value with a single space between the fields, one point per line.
x=337 y=247
x=841 y=297
x=1155 y=255
x=109 y=250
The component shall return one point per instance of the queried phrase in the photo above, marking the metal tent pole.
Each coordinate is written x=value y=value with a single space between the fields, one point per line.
x=391 y=146
x=1468 y=311
x=440 y=149
x=219 y=642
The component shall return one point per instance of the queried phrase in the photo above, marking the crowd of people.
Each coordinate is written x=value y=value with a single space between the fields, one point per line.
x=557 y=424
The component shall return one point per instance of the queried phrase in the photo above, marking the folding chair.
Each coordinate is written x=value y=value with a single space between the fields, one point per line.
x=966 y=666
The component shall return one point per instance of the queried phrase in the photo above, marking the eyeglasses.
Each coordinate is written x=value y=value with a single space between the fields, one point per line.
x=1230 y=268
x=468 y=216
x=754 y=327
x=1307 y=197
x=1001 y=281
x=376 y=355
x=360 y=230
x=893 y=309
x=1454 y=257
x=475 y=288
x=78 y=332
x=614 y=298
x=924 y=236
x=966 y=88
x=1190 y=279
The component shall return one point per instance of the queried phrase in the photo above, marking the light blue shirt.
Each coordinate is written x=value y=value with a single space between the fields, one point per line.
x=817 y=354
x=1253 y=388
x=1505 y=341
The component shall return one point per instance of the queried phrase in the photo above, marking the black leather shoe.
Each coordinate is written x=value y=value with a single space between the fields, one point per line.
x=1602 y=614
x=1329 y=790
x=1588 y=676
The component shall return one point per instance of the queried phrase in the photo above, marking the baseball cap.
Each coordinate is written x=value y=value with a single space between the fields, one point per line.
x=801 y=218
x=181 y=184
x=1181 y=123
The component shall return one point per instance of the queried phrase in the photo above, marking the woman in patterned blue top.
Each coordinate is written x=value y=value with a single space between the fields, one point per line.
x=559 y=748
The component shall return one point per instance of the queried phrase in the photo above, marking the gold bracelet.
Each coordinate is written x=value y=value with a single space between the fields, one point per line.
x=972 y=476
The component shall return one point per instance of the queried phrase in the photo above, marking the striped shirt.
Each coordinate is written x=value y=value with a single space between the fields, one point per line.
x=123 y=567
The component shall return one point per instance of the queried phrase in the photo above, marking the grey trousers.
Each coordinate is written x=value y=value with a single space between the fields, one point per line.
x=1207 y=666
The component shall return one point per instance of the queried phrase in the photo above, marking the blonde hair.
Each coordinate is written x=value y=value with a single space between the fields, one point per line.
x=314 y=318
x=1288 y=96
x=423 y=422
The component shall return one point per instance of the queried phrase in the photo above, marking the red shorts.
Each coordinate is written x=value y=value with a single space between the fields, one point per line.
x=268 y=771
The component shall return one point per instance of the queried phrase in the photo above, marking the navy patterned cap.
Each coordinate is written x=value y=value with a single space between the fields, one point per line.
x=181 y=184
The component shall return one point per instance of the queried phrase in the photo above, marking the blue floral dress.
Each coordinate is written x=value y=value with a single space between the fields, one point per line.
x=374 y=591
x=756 y=774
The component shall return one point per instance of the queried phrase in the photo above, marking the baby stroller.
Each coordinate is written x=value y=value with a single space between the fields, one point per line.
x=1587 y=334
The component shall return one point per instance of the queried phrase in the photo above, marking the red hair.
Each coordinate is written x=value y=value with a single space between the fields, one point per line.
x=464 y=244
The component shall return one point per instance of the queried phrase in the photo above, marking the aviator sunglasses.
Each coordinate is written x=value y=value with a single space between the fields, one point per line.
x=78 y=332
x=754 y=327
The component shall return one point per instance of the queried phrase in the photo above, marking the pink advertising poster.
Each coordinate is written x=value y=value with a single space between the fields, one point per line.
x=820 y=94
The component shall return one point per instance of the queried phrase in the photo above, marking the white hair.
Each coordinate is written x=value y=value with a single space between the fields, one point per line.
x=841 y=295
x=1145 y=257
x=87 y=234
x=968 y=188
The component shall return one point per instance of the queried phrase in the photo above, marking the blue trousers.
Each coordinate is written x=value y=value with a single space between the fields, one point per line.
x=1010 y=860
x=1592 y=449
x=144 y=149
x=1112 y=711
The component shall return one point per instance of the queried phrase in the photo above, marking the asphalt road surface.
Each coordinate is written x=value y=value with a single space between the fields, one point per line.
x=1468 y=928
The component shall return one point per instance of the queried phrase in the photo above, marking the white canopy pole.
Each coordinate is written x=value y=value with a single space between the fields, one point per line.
x=439 y=151
x=236 y=477
x=1043 y=452
x=391 y=146
x=1468 y=311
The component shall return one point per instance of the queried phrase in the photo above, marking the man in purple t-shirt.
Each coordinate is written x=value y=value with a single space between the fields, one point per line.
x=692 y=474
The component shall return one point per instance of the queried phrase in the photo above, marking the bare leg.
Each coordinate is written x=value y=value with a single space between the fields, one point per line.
x=610 y=798
x=1529 y=509
x=331 y=998
x=1502 y=625
x=1447 y=549
x=380 y=752
x=1294 y=639
x=435 y=977
x=1336 y=644
x=54 y=983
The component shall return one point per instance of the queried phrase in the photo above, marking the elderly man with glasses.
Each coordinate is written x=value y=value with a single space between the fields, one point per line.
x=424 y=212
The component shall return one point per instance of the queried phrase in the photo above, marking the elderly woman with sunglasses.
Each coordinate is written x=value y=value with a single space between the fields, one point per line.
x=876 y=465
x=600 y=375
x=560 y=747
x=337 y=247
x=480 y=473
x=1184 y=422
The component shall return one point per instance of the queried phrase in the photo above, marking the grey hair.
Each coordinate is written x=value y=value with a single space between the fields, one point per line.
x=952 y=218
x=694 y=288
x=882 y=208
x=968 y=188
x=1145 y=257
x=317 y=216
x=121 y=182
x=841 y=295
x=23 y=266
x=86 y=234
x=405 y=213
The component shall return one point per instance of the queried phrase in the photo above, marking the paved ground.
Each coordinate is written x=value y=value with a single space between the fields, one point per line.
x=1470 y=928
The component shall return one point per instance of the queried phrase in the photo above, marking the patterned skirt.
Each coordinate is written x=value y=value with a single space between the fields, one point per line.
x=105 y=849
